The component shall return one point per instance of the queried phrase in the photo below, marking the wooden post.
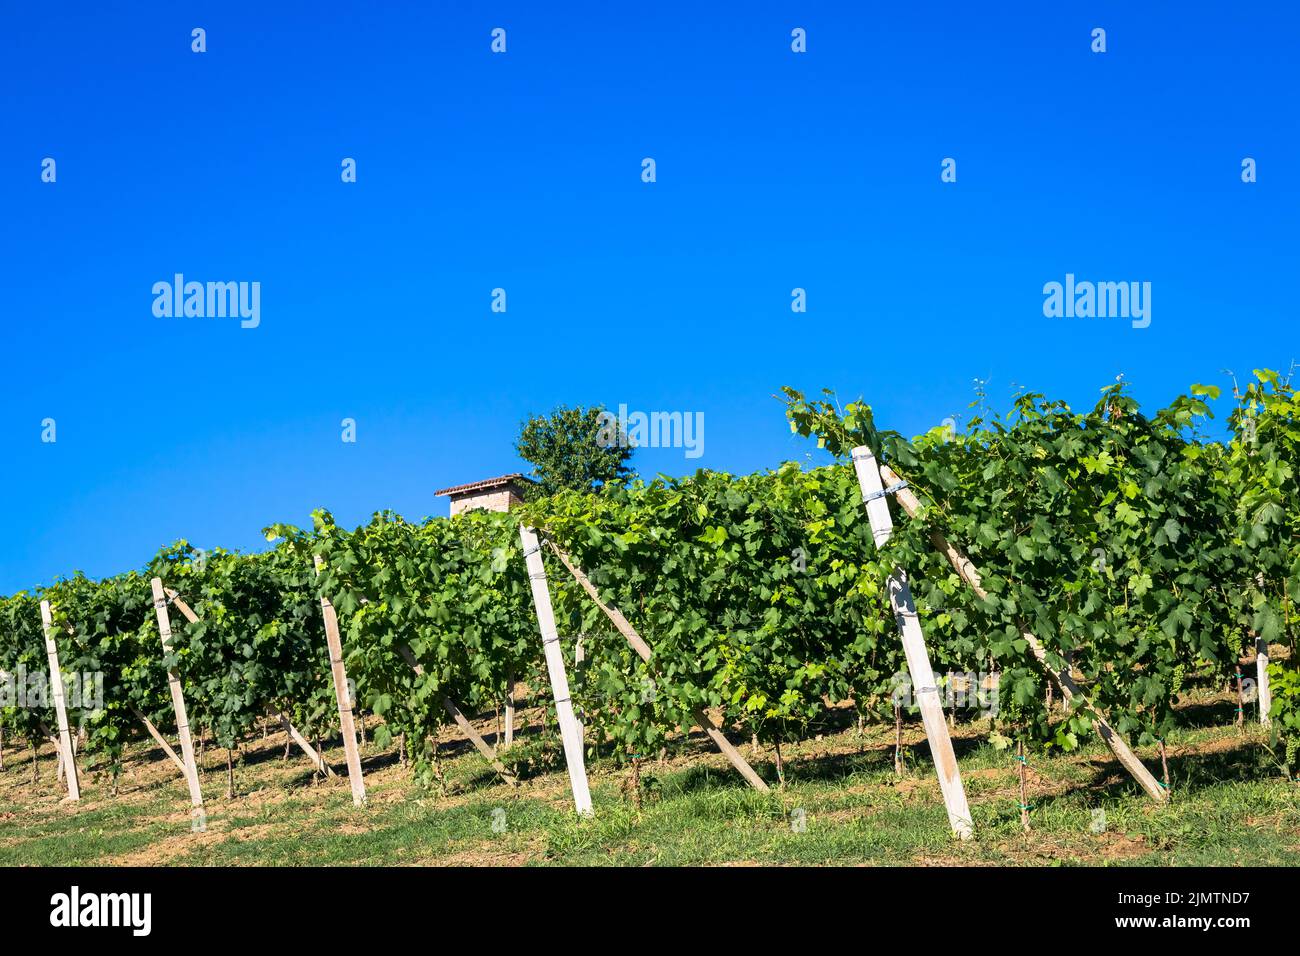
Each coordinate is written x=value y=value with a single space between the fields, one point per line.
x=1024 y=807
x=186 y=611
x=60 y=704
x=1241 y=700
x=314 y=755
x=898 y=740
x=479 y=743
x=1265 y=697
x=159 y=739
x=58 y=752
x=178 y=704
x=340 y=676
x=643 y=651
x=918 y=659
x=570 y=731
x=1070 y=693
x=510 y=714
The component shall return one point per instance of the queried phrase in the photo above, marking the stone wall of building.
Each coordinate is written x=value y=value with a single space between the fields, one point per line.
x=492 y=499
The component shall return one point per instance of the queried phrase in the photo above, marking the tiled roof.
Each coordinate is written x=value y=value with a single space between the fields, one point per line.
x=485 y=484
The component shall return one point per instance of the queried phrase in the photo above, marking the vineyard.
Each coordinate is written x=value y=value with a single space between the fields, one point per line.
x=1072 y=574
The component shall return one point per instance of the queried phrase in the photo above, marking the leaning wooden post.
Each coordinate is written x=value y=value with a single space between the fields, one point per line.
x=1070 y=692
x=462 y=721
x=918 y=659
x=159 y=739
x=643 y=651
x=60 y=704
x=316 y=757
x=340 y=676
x=197 y=815
x=570 y=732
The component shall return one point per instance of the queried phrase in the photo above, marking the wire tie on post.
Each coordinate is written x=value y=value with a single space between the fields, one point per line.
x=892 y=489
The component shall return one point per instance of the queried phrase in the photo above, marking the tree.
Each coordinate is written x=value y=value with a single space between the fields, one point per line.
x=574 y=448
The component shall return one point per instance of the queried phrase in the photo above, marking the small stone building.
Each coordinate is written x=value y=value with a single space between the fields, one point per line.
x=492 y=494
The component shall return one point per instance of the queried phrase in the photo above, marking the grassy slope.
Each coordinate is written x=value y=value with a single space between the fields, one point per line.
x=1231 y=806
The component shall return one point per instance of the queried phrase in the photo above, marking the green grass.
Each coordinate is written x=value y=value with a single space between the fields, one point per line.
x=1231 y=806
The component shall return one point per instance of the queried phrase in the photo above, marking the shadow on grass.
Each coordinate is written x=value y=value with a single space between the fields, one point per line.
x=1188 y=772
x=1219 y=713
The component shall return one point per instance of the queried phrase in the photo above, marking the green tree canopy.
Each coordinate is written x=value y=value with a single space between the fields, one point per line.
x=574 y=448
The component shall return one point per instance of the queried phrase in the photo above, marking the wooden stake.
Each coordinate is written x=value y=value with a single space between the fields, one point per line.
x=462 y=722
x=918 y=659
x=340 y=676
x=186 y=611
x=1265 y=697
x=1024 y=803
x=479 y=743
x=570 y=730
x=1164 y=764
x=644 y=652
x=159 y=738
x=1241 y=700
x=1070 y=693
x=510 y=713
x=315 y=756
x=898 y=740
x=178 y=705
x=60 y=705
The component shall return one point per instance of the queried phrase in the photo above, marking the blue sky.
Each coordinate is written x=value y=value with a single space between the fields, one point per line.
x=522 y=171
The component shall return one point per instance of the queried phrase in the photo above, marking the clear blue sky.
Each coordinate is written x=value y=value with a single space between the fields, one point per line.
x=522 y=171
